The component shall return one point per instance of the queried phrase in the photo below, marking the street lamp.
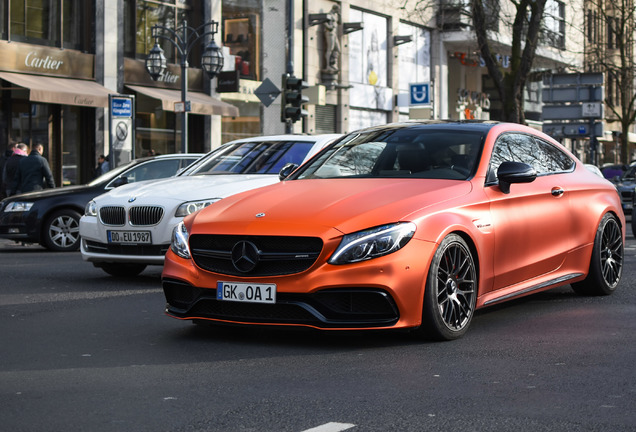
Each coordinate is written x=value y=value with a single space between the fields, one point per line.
x=184 y=39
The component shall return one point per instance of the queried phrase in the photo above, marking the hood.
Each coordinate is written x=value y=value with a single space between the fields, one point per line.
x=187 y=188
x=311 y=207
x=47 y=193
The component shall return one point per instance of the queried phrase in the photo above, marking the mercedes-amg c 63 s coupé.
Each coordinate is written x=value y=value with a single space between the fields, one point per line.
x=411 y=226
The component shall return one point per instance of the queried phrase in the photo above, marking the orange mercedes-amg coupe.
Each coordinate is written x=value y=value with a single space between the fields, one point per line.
x=412 y=225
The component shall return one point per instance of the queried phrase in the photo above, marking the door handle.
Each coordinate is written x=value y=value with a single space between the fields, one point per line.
x=557 y=191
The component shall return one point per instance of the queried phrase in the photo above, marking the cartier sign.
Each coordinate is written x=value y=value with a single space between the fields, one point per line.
x=19 y=57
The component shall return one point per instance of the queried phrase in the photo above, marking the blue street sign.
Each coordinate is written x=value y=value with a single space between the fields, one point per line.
x=121 y=107
x=420 y=94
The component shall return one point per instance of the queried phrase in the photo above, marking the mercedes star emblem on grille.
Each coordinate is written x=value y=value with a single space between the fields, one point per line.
x=245 y=256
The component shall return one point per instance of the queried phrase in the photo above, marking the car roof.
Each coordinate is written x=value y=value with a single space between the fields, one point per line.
x=288 y=137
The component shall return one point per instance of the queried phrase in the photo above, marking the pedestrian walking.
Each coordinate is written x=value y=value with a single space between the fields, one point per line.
x=11 y=167
x=34 y=172
x=3 y=160
x=103 y=166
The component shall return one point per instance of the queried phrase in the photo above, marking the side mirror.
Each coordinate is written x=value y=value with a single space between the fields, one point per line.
x=120 y=181
x=287 y=170
x=514 y=172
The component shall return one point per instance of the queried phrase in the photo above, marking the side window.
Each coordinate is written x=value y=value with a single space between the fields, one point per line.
x=552 y=160
x=513 y=148
x=153 y=170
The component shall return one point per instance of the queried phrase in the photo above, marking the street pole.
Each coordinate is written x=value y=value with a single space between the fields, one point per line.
x=184 y=93
x=184 y=40
x=290 y=52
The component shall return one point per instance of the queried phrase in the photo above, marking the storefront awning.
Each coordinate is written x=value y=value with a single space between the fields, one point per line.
x=63 y=91
x=200 y=102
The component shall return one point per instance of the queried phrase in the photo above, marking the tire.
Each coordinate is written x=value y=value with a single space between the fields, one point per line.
x=122 y=270
x=606 y=264
x=451 y=291
x=60 y=232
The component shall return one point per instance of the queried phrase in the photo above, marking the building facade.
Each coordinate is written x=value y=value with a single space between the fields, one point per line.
x=61 y=59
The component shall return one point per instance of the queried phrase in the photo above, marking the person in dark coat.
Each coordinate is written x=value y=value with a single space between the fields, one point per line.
x=34 y=172
x=11 y=167
x=3 y=160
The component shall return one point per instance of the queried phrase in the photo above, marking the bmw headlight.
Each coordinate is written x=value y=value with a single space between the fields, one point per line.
x=373 y=243
x=179 y=243
x=91 y=208
x=18 y=206
x=192 y=206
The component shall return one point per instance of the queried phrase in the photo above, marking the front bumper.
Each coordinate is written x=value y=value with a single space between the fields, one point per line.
x=382 y=293
x=96 y=248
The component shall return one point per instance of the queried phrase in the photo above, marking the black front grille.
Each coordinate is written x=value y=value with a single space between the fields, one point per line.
x=126 y=249
x=145 y=215
x=277 y=255
x=112 y=215
x=349 y=307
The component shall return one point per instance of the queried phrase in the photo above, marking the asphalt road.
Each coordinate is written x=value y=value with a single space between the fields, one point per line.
x=82 y=351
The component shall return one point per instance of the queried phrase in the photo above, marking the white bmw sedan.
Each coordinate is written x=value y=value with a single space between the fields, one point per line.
x=130 y=227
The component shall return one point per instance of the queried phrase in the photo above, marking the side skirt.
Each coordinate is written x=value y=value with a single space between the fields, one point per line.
x=550 y=283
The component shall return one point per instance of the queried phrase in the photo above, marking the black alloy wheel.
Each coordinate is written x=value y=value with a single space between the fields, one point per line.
x=451 y=291
x=606 y=265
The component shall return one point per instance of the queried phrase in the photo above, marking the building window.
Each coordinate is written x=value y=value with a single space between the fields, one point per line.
x=57 y=23
x=141 y=15
x=553 y=33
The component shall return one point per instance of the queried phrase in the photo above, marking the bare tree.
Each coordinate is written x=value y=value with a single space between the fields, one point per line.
x=610 y=50
x=526 y=28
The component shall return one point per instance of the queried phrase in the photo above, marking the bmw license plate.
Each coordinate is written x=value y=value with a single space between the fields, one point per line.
x=129 y=237
x=246 y=292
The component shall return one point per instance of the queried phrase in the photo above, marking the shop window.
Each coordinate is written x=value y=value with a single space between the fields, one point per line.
x=241 y=36
x=140 y=16
x=40 y=22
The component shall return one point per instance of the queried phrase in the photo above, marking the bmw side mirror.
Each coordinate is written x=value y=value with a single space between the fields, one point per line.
x=514 y=172
x=287 y=170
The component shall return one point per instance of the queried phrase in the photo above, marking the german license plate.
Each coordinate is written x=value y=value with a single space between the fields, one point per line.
x=129 y=237
x=246 y=292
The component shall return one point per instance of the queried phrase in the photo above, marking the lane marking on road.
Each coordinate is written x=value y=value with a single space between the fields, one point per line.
x=331 y=427
x=22 y=299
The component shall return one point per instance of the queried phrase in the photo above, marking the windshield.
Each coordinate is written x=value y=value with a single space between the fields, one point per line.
x=255 y=157
x=406 y=152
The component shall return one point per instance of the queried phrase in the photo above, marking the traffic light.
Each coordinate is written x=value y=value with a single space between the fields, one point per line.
x=291 y=107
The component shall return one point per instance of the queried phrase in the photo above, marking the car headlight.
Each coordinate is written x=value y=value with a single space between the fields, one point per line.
x=179 y=244
x=18 y=206
x=91 y=209
x=373 y=243
x=192 y=206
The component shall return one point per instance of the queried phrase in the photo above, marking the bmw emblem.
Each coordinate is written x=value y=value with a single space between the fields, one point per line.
x=132 y=199
x=260 y=215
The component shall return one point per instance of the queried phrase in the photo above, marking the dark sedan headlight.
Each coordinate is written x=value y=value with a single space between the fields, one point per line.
x=373 y=243
x=179 y=244
x=18 y=206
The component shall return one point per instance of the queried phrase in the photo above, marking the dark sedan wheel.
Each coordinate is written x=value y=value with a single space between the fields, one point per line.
x=61 y=231
x=451 y=291
x=606 y=265
x=122 y=270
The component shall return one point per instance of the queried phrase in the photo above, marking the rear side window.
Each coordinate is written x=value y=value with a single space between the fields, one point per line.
x=544 y=157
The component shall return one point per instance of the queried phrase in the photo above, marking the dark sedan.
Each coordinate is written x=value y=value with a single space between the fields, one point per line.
x=51 y=217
